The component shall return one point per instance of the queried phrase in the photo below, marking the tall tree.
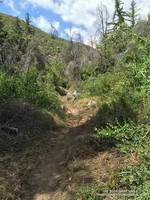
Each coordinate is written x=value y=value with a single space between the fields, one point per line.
x=28 y=28
x=133 y=13
x=102 y=21
x=119 y=13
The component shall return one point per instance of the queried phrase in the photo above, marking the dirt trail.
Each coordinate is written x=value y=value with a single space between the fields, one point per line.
x=69 y=163
x=55 y=173
x=55 y=167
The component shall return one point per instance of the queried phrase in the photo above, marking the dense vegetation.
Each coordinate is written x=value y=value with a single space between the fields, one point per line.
x=124 y=114
x=120 y=79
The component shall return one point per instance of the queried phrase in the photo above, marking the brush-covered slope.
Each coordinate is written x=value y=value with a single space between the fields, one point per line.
x=71 y=55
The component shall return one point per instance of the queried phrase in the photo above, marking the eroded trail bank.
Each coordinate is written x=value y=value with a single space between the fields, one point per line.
x=54 y=167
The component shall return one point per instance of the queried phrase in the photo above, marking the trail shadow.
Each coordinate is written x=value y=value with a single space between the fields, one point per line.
x=56 y=165
x=20 y=124
x=117 y=111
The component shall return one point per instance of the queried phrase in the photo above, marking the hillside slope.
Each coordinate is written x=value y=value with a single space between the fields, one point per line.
x=57 y=48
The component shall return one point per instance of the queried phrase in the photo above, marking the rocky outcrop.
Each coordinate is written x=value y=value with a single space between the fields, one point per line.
x=81 y=56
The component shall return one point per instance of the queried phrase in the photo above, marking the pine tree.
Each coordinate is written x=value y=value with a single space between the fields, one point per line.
x=119 y=14
x=28 y=28
x=133 y=14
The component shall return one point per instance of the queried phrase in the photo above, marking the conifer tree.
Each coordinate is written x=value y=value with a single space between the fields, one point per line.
x=28 y=28
x=133 y=13
x=119 y=13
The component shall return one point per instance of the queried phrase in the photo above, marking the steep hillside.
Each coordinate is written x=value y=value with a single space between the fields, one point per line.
x=52 y=48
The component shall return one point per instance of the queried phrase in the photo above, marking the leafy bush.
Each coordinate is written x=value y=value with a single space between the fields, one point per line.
x=123 y=95
x=28 y=87
x=87 y=193
x=133 y=139
x=103 y=84
x=88 y=72
x=54 y=73
x=127 y=134
x=123 y=117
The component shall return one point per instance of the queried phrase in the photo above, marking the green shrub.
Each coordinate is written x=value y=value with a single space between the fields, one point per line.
x=27 y=87
x=132 y=138
x=101 y=85
x=54 y=73
x=87 y=193
x=127 y=134
x=88 y=72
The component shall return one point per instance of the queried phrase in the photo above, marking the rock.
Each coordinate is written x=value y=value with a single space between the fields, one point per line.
x=71 y=97
x=74 y=93
x=61 y=91
x=79 y=56
x=92 y=103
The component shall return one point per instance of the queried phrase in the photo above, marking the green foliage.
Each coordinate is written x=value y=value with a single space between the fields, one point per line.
x=104 y=84
x=3 y=33
x=27 y=87
x=120 y=99
x=133 y=13
x=128 y=134
x=119 y=13
x=18 y=41
x=132 y=139
x=28 y=28
x=112 y=46
x=88 y=72
x=124 y=94
x=54 y=73
x=87 y=193
x=123 y=117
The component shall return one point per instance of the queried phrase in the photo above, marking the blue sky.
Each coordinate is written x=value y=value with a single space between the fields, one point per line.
x=69 y=17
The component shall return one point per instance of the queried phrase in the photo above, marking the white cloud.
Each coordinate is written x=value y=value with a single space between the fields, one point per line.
x=10 y=3
x=44 y=24
x=24 y=4
x=76 y=33
x=82 y=13
x=144 y=8
x=79 y=12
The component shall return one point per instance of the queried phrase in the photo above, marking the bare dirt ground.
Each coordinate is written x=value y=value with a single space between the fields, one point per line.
x=56 y=166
